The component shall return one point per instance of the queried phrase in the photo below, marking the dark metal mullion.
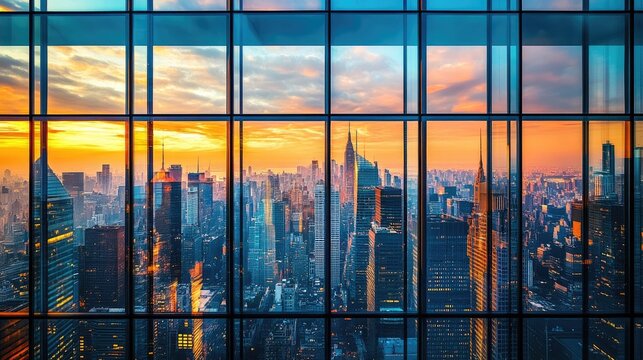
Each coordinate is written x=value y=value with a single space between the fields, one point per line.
x=129 y=185
x=585 y=227
x=241 y=226
x=230 y=299
x=328 y=188
x=31 y=299
x=629 y=92
x=44 y=223
x=489 y=209
x=519 y=195
x=421 y=188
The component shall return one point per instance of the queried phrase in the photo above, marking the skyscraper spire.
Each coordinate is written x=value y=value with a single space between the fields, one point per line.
x=163 y=155
x=481 y=148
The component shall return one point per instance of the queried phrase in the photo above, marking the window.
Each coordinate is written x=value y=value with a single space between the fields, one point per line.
x=304 y=179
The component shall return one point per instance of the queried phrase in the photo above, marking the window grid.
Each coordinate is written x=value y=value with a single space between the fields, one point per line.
x=233 y=315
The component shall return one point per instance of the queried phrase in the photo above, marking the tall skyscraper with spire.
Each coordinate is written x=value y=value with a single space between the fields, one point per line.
x=167 y=236
x=349 y=170
x=477 y=252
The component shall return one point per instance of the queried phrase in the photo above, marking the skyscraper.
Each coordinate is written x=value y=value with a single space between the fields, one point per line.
x=366 y=179
x=102 y=268
x=61 y=281
x=320 y=232
x=477 y=252
x=167 y=244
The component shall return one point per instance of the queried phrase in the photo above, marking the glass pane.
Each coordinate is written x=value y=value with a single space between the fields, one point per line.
x=576 y=5
x=85 y=216
x=80 y=64
x=552 y=215
x=374 y=5
x=279 y=5
x=606 y=63
x=553 y=339
x=182 y=68
x=71 y=5
x=638 y=62
x=608 y=338
x=458 y=338
x=552 y=63
x=14 y=5
x=283 y=339
x=505 y=218
x=373 y=338
x=181 y=339
x=282 y=66
x=188 y=209
x=608 y=4
x=456 y=5
x=457 y=207
x=638 y=215
x=608 y=160
x=369 y=184
x=180 y=5
x=14 y=64
x=83 y=339
x=374 y=63
x=14 y=339
x=283 y=216
x=14 y=216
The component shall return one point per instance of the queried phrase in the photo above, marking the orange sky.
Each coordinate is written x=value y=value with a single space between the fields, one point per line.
x=85 y=145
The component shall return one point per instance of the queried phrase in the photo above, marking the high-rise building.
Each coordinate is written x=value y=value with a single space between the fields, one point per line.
x=167 y=243
x=478 y=262
x=102 y=268
x=366 y=179
x=62 y=258
x=320 y=234
x=104 y=180
x=388 y=207
x=385 y=271
x=349 y=171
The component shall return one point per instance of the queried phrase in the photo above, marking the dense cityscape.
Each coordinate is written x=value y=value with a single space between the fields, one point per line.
x=281 y=262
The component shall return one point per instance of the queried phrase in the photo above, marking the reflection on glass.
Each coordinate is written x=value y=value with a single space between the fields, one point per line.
x=607 y=338
x=552 y=215
x=77 y=70
x=374 y=5
x=180 y=5
x=274 y=339
x=553 y=339
x=457 y=206
x=368 y=181
x=14 y=5
x=270 y=5
x=373 y=338
x=82 y=339
x=369 y=66
x=608 y=157
x=14 y=215
x=638 y=214
x=283 y=216
x=14 y=339
x=459 y=338
x=456 y=5
x=189 y=216
x=552 y=59
x=70 y=5
x=181 y=339
x=185 y=73
x=85 y=215
x=280 y=64
x=14 y=63
x=576 y=5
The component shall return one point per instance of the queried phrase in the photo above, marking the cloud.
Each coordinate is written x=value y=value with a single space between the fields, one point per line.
x=283 y=4
x=14 y=80
x=367 y=79
x=190 y=4
x=552 y=4
x=283 y=79
x=552 y=79
x=186 y=80
x=14 y=5
x=456 y=79
x=85 y=80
